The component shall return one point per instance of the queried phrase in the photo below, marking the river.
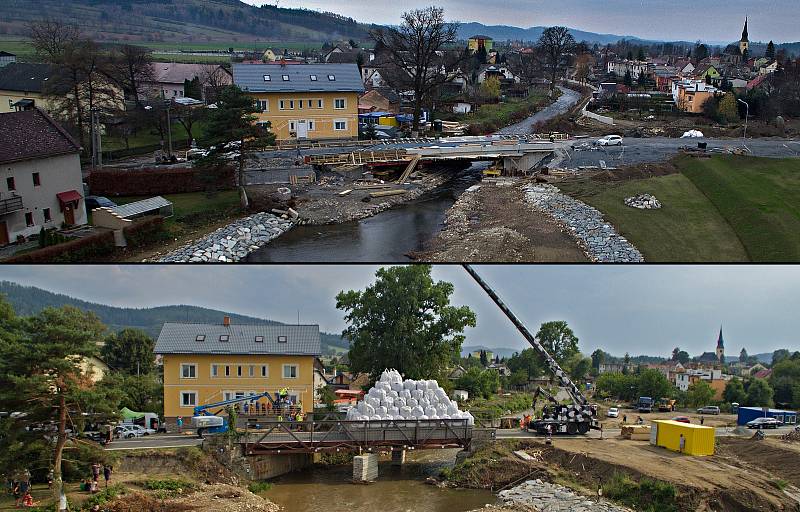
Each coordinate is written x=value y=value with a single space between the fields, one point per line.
x=398 y=489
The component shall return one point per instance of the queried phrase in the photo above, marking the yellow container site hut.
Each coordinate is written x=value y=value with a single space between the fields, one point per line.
x=699 y=440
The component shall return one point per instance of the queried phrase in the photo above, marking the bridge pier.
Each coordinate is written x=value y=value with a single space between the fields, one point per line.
x=365 y=467
x=398 y=457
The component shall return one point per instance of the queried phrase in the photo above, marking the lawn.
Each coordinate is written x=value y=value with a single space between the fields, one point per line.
x=727 y=208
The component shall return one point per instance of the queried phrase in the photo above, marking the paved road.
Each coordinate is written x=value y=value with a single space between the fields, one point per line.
x=565 y=102
x=614 y=432
x=155 y=441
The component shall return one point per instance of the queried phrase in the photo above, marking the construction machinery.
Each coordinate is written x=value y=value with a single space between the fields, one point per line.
x=666 y=405
x=205 y=421
x=577 y=417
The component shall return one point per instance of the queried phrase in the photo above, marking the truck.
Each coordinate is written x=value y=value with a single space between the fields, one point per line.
x=577 y=417
x=645 y=404
x=205 y=421
x=666 y=405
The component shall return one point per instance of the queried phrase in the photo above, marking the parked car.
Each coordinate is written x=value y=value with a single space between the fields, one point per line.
x=93 y=202
x=682 y=419
x=709 y=409
x=764 y=423
x=128 y=431
x=613 y=412
x=610 y=140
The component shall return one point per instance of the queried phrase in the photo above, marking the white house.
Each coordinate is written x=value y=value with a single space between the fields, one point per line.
x=41 y=179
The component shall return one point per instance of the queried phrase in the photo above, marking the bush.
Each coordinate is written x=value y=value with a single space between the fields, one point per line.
x=103 y=496
x=156 y=181
x=646 y=495
x=257 y=487
x=145 y=231
x=168 y=487
x=76 y=250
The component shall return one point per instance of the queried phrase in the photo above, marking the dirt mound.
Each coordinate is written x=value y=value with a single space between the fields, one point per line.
x=216 y=497
x=634 y=172
x=777 y=457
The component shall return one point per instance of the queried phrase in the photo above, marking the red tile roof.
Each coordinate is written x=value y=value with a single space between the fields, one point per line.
x=33 y=134
x=763 y=374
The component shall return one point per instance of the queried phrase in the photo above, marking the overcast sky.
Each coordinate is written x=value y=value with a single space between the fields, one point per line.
x=690 y=20
x=636 y=309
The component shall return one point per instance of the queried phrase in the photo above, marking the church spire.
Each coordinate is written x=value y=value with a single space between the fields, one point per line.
x=745 y=36
x=720 y=341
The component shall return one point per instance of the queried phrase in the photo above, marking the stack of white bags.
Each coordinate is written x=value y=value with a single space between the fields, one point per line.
x=393 y=398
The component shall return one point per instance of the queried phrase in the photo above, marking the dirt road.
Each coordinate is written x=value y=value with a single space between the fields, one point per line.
x=565 y=102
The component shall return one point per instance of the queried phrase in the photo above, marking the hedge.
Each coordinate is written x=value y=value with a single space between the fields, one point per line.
x=77 y=250
x=154 y=181
x=144 y=231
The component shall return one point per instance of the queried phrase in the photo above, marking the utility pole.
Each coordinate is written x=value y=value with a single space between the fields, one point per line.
x=169 y=131
x=97 y=144
x=746 y=116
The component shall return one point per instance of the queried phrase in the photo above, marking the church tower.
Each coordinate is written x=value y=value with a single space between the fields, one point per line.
x=744 y=44
x=720 y=347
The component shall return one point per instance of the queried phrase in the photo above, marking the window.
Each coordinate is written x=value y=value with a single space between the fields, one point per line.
x=339 y=103
x=36 y=180
x=331 y=78
x=291 y=104
x=251 y=371
x=340 y=125
x=281 y=339
x=29 y=219
x=264 y=370
x=223 y=337
x=290 y=371
x=310 y=125
x=310 y=104
x=285 y=78
x=10 y=183
x=263 y=105
x=300 y=104
x=291 y=126
x=313 y=78
x=214 y=370
x=319 y=103
x=281 y=105
x=188 y=371
x=200 y=337
x=259 y=339
x=267 y=78
x=188 y=398
x=227 y=371
x=47 y=216
x=239 y=371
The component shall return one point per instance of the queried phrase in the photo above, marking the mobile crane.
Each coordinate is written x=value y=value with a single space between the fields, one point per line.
x=575 y=418
x=206 y=421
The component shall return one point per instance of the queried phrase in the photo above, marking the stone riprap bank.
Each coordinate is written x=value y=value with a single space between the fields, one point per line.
x=596 y=236
x=234 y=241
x=540 y=496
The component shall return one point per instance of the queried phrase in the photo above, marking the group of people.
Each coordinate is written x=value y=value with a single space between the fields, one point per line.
x=20 y=487
x=92 y=485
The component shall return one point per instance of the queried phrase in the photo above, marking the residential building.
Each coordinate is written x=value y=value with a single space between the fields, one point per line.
x=762 y=374
x=456 y=373
x=304 y=101
x=171 y=77
x=707 y=72
x=489 y=354
x=478 y=42
x=635 y=67
x=501 y=369
x=270 y=55
x=7 y=58
x=768 y=69
x=500 y=72
x=206 y=363
x=380 y=99
x=691 y=95
x=614 y=368
x=40 y=175
x=22 y=86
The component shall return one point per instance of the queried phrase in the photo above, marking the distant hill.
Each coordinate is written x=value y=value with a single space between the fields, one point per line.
x=506 y=33
x=29 y=300
x=181 y=20
x=765 y=358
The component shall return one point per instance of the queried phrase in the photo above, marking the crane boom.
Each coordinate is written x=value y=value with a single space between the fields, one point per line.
x=202 y=409
x=562 y=376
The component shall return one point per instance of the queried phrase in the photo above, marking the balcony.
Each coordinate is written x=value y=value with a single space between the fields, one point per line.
x=10 y=205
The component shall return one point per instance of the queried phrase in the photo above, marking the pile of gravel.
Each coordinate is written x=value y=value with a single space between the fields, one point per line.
x=540 y=496
x=643 y=202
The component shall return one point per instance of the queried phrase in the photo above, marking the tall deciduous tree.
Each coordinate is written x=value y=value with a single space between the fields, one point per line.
x=555 y=45
x=759 y=394
x=598 y=358
x=130 y=351
x=131 y=67
x=734 y=391
x=415 y=48
x=558 y=339
x=699 y=394
x=404 y=320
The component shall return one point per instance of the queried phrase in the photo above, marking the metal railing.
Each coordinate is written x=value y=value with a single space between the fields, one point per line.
x=10 y=205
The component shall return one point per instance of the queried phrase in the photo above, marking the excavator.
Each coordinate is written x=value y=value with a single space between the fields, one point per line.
x=577 y=417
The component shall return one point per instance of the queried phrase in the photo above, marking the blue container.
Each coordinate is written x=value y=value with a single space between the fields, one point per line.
x=750 y=413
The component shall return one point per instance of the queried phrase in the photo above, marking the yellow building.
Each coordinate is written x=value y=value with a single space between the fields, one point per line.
x=304 y=101
x=207 y=363
x=477 y=42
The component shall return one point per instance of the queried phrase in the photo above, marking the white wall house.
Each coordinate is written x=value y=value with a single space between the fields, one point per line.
x=40 y=176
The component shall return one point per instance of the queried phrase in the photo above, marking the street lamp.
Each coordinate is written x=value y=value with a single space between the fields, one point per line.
x=746 y=115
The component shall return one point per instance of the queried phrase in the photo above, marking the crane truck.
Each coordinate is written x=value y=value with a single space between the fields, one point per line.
x=577 y=417
x=205 y=421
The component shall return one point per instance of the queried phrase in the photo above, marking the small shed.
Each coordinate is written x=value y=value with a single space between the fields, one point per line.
x=117 y=218
x=698 y=440
x=460 y=395
x=747 y=414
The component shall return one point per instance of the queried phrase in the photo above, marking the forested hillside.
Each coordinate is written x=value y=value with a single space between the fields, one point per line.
x=181 y=20
x=29 y=300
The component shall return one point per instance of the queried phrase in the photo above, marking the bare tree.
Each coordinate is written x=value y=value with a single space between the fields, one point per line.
x=416 y=48
x=555 y=44
x=131 y=67
x=527 y=66
x=213 y=78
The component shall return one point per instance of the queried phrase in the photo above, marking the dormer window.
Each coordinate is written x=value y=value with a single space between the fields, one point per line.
x=331 y=78
x=281 y=339
x=267 y=78
x=223 y=337
x=285 y=78
x=313 y=78
x=259 y=339
x=200 y=337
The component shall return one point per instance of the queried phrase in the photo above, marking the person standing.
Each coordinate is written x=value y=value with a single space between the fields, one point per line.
x=107 y=473
x=682 y=443
x=624 y=419
x=179 y=422
x=95 y=471
x=702 y=419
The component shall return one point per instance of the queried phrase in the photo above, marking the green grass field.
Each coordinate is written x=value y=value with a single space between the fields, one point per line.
x=722 y=209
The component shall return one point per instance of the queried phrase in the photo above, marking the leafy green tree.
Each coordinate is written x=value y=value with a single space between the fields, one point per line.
x=699 y=394
x=144 y=393
x=617 y=385
x=471 y=362
x=734 y=391
x=558 y=339
x=233 y=120
x=490 y=88
x=45 y=367
x=598 y=358
x=654 y=384
x=130 y=351
x=779 y=355
x=326 y=396
x=404 y=320
x=479 y=383
x=785 y=381
x=759 y=394
x=527 y=361
x=683 y=357
x=727 y=110
x=578 y=366
x=518 y=378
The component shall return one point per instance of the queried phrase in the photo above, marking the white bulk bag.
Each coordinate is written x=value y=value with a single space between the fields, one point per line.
x=410 y=384
x=405 y=411
x=417 y=412
x=430 y=411
x=397 y=386
x=399 y=401
x=412 y=402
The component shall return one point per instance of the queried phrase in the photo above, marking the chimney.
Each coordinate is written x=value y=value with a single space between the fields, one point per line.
x=226 y=321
